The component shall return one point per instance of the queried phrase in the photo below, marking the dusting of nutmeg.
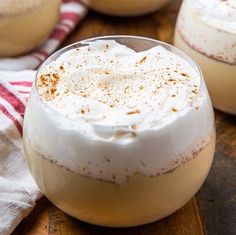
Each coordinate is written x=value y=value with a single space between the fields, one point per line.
x=185 y=75
x=136 y=111
x=115 y=84
x=143 y=60
x=49 y=82
x=44 y=79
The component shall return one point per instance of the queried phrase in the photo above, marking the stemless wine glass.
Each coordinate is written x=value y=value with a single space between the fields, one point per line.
x=26 y=24
x=209 y=37
x=65 y=163
x=125 y=7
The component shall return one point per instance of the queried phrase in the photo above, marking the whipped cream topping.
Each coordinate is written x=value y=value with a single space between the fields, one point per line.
x=12 y=7
x=225 y=8
x=107 y=112
x=209 y=27
x=107 y=83
x=219 y=14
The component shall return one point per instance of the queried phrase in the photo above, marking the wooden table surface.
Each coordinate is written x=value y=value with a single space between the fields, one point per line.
x=212 y=211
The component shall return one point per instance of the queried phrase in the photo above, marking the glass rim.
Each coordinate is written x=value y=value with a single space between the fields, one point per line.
x=213 y=13
x=78 y=44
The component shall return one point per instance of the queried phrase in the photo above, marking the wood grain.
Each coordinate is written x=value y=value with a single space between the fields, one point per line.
x=217 y=199
x=47 y=219
x=211 y=212
x=159 y=25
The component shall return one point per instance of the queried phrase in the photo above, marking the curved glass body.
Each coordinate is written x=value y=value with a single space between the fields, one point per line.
x=125 y=8
x=66 y=164
x=209 y=38
x=23 y=31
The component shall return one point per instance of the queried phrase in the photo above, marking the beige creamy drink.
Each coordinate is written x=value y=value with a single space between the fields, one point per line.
x=117 y=137
x=206 y=30
x=125 y=7
x=25 y=24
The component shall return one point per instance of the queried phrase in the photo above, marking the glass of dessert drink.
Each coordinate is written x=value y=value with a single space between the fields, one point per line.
x=206 y=31
x=125 y=7
x=25 y=24
x=119 y=130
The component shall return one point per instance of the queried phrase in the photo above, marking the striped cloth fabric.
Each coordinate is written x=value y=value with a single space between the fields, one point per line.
x=18 y=191
x=14 y=91
x=71 y=13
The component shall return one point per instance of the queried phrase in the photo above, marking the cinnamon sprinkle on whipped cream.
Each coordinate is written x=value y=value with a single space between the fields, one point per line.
x=118 y=85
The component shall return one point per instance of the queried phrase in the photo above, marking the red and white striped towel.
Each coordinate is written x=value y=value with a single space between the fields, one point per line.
x=72 y=11
x=18 y=192
x=14 y=91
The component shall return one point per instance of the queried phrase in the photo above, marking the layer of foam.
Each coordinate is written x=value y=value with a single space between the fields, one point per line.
x=151 y=141
x=209 y=27
x=109 y=83
x=13 y=7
